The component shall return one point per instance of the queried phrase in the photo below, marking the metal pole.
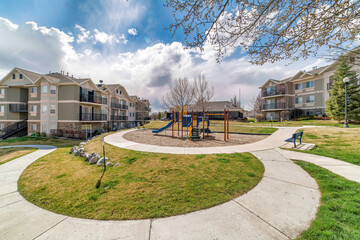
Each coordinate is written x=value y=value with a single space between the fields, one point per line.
x=182 y=124
x=172 y=126
x=228 y=118
x=346 y=123
x=208 y=123
x=203 y=123
x=224 y=124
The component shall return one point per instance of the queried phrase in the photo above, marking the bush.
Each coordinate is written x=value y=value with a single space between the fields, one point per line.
x=37 y=134
x=284 y=115
x=310 y=117
x=43 y=134
x=251 y=120
x=259 y=117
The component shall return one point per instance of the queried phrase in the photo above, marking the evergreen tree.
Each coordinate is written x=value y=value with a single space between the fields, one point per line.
x=335 y=105
x=159 y=115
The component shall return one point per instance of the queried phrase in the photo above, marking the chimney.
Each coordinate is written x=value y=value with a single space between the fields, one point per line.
x=72 y=76
x=315 y=67
x=49 y=72
x=67 y=74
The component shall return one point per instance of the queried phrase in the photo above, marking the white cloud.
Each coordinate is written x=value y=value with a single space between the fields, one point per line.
x=146 y=72
x=84 y=34
x=132 y=31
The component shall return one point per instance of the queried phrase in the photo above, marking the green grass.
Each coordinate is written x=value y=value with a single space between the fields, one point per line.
x=219 y=127
x=330 y=123
x=8 y=154
x=59 y=142
x=339 y=214
x=339 y=143
x=144 y=185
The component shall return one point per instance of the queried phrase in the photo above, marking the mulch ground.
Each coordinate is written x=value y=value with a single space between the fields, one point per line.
x=213 y=140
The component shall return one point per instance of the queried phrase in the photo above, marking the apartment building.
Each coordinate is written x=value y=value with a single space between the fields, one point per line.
x=60 y=104
x=142 y=109
x=306 y=90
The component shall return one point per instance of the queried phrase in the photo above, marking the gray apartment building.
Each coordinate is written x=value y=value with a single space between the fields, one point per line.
x=306 y=90
x=60 y=104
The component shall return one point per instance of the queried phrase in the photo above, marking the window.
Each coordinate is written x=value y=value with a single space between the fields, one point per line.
x=117 y=90
x=33 y=108
x=52 y=89
x=52 y=109
x=310 y=99
x=310 y=84
x=2 y=108
x=120 y=92
x=2 y=126
x=20 y=76
x=45 y=89
x=44 y=109
x=2 y=91
x=298 y=100
x=13 y=76
x=298 y=86
x=33 y=90
x=33 y=127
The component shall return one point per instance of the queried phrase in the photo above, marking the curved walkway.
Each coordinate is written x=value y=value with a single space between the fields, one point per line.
x=281 y=206
x=273 y=141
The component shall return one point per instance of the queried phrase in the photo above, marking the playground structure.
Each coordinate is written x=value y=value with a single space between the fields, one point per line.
x=190 y=123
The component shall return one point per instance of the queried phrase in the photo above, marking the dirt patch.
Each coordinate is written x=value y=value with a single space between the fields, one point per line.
x=213 y=140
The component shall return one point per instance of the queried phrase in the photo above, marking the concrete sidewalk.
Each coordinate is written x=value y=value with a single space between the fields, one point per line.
x=281 y=206
x=342 y=168
x=271 y=142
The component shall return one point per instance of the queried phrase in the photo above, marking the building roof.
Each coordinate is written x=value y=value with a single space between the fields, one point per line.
x=217 y=106
x=31 y=75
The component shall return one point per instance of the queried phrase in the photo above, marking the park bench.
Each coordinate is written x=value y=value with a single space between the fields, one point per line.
x=295 y=136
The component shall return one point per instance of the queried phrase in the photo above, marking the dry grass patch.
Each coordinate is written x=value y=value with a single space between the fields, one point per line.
x=8 y=154
x=144 y=185
x=340 y=143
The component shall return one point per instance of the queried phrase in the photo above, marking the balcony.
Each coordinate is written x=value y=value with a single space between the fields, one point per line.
x=274 y=106
x=93 y=117
x=20 y=108
x=280 y=91
x=119 y=106
x=91 y=98
x=118 y=118
x=147 y=109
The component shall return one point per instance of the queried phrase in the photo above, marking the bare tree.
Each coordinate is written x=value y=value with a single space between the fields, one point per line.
x=235 y=101
x=257 y=104
x=181 y=94
x=203 y=92
x=270 y=30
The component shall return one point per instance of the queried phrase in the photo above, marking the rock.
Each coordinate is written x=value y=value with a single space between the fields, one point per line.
x=82 y=144
x=101 y=161
x=93 y=158
x=74 y=149
x=82 y=149
x=77 y=153
x=83 y=154
x=116 y=164
x=87 y=156
x=108 y=163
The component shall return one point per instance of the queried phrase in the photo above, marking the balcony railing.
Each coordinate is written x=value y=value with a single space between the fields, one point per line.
x=119 y=106
x=93 y=117
x=118 y=118
x=92 y=99
x=274 y=106
x=280 y=91
x=18 y=108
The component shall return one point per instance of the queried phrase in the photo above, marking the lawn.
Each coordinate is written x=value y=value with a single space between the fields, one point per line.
x=339 y=143
x=8 y=154
x=59 y=142
x=331 y=123
x=338 y=216
x=219 y=126
x=144 y=185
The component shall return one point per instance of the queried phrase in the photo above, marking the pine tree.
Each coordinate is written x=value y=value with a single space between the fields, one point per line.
x=335 y=105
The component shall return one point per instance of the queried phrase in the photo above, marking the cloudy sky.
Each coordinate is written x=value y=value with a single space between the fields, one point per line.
x=123 y=42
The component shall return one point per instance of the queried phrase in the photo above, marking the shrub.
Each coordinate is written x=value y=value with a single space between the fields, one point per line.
x=251 y=120
x=284 y=115
x=259 y=117
x=43 y=134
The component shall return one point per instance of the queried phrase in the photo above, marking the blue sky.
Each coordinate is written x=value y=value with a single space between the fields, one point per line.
x=123 y=42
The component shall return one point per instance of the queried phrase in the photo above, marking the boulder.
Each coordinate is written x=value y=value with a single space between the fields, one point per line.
x=108 y=163
x=87 y=156
x=101 y=161
x=77 y=153
x=93 y=158
x=82 y=149
x=83 y=154
x=74 y=149
x=116 y=164
x=82 y=144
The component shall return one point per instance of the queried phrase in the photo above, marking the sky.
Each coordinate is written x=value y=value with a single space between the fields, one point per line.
x=124 y=42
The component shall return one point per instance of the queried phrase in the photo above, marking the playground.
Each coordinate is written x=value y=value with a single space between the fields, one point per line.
x=193 y=129
x=166 y=139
